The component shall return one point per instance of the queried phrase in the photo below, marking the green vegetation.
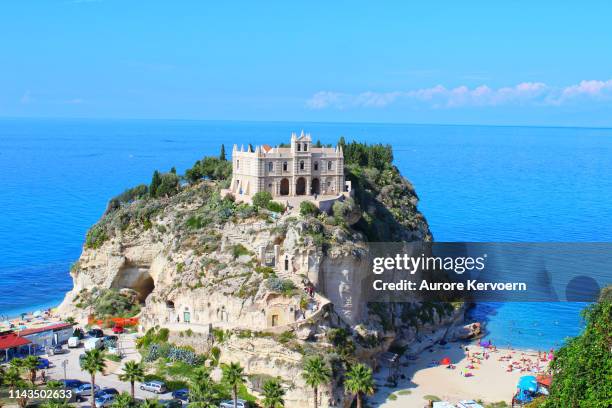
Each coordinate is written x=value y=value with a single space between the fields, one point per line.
x=273 y=394
x=341 y=339
x=132 y=372
x=93 y=363
x=307 y=208
x=284 y=286
x=275 y=207
x=128 y=196
x=261 y=199
x=109 y=302
x=360 y=382
x=233 y=376
x=316 y=373
x=582 y=368
x=239 y=250
x=213 y=168
x=432 y=398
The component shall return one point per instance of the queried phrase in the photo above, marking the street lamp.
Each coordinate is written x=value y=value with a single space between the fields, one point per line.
x=64 y=365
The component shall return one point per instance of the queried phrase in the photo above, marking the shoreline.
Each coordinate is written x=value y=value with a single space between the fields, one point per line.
x=488 y=380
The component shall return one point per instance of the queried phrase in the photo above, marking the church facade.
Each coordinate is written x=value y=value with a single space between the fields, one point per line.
x=297 y=170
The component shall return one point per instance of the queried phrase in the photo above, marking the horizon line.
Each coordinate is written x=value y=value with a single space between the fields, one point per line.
x=609 y=127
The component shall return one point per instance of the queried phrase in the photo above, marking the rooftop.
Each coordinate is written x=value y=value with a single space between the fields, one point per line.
x=12 y=340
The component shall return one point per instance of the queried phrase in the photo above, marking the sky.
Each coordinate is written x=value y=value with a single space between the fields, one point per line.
x=546 y=63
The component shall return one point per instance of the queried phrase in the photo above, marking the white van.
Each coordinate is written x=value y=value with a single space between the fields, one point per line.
x=93 y=343
x=74 y=342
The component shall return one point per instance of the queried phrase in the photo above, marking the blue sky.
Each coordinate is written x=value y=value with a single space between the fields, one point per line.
x=477 y=62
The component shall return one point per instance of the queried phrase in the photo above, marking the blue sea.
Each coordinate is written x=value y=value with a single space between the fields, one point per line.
x=475 y=183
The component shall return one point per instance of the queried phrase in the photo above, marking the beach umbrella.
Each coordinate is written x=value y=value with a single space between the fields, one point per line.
x=485 y=344
x=37 y=313
x=528 y=382
x=445 y=361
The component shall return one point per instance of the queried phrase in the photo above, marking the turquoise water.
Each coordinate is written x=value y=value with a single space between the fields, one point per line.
x=487 y=184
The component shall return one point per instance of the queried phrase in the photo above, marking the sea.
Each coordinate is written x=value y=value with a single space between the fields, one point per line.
x=475 y=184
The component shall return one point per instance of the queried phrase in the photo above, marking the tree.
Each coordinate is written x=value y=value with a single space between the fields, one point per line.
x=308 y=208
x=155 y=182
x=359 y=381
x=261 y=199
x=203 y=391
x=123 y=400
x=168 y=186
x=93 y=363
x=30 y=363
x=12 y=377
x=273 y=393
x=582 y=367
x=55 y=402
x=316 y=373
x=233 y=376
x=132 y=372
x=222 y=154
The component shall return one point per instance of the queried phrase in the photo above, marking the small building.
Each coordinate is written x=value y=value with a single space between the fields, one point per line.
x=12 y=345
x=43 y=337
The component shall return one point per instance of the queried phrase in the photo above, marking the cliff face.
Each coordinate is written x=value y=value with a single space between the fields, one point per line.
x=199 y=262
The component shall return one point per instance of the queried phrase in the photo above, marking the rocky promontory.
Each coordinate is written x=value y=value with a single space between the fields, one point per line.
x=264 y=284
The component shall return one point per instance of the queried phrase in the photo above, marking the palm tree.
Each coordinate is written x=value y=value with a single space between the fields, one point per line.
x=93 y=363
x=316 y=373
x=16 y=363
x=359 y=381
x=55 y=402
x=12 y=377
x=132 y=372
x=123 y=400
x=30 y=363
x=202 y=390
x=233 y=376
x=273 y=393
x=151 y=403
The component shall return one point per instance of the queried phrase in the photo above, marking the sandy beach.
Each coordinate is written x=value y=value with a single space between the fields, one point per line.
x=489 y=380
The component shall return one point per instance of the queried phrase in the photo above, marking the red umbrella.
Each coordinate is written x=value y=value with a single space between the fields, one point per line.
x=445 y=361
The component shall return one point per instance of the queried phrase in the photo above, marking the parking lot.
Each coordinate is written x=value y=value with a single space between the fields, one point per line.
x=127 y=346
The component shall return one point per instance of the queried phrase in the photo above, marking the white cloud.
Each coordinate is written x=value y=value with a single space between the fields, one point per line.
x=439 y=96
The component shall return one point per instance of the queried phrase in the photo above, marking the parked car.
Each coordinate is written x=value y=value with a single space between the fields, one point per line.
x=85 y=390
x=158 y=387
x=230 y=404
x=182 y=394
x=110 y=338
x=172 y=403
x=106 y=391
x=93 y=343
x=95 y=333
x=105 y=400
x=72 y=384
x=118 y=329
x=57 y=349
x=43 y=363
x=74 y=342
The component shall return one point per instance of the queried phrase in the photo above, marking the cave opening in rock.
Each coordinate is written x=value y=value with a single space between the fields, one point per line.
x=137 y=278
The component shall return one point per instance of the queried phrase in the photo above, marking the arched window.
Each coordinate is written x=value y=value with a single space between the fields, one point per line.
x=286 y=263
x=329 y=165
x=284 y=166
x=305 y=147
x=301 y=164
x=316 y=165
x=237 y=164
x=270 y=166
x=299 y=146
